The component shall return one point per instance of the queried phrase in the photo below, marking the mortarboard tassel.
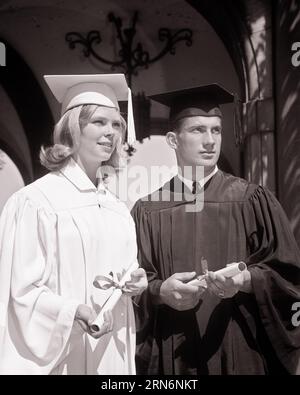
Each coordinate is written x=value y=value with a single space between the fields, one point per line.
x=130 y=120
x=238 y=130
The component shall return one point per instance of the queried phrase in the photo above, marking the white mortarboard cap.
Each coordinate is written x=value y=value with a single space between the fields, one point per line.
x=101 y=89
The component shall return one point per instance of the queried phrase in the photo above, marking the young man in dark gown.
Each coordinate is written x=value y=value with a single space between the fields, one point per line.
x=241 y=325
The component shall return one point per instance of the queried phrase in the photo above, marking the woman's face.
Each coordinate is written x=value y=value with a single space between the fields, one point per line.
x=100 y=135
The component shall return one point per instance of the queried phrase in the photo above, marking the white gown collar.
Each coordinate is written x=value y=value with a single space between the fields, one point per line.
x=73 y=172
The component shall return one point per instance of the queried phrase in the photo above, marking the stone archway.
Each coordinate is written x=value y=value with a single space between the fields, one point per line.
x=26 y=95
x=19 y=162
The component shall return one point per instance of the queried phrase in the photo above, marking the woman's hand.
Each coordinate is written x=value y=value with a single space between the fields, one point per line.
x=137 y=284
x=224 y=287
x=85 y=316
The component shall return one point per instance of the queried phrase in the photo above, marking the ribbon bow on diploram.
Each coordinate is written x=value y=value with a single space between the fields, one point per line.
x=106 y=282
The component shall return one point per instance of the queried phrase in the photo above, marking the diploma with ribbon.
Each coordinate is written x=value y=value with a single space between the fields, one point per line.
x=108 y=282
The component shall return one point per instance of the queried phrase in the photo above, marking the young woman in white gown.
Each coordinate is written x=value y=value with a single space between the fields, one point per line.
x=60 y=232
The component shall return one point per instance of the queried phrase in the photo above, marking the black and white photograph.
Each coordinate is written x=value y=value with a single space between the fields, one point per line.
x=150 y=190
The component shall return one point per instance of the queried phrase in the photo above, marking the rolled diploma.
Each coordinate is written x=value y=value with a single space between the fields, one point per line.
x=229 y=271
x=113 y=299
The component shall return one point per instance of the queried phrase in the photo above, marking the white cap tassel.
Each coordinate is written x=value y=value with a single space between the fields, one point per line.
x=130 y=120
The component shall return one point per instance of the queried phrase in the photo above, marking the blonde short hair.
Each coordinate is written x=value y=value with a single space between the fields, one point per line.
x=66 y=140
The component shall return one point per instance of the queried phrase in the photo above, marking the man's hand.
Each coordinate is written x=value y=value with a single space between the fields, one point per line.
x=137 y=284
x=224 y=287
x=85 y=316
x=175 y=293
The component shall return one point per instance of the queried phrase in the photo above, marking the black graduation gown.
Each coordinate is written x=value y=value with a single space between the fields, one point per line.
x=246 y=334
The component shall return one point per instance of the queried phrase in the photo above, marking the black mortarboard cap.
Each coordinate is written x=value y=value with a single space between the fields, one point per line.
x=203 y=100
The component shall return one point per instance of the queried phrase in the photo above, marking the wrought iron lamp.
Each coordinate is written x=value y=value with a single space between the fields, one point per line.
x=131 y=56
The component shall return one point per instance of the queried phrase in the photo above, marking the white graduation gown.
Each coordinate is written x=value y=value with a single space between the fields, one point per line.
x=56 y=235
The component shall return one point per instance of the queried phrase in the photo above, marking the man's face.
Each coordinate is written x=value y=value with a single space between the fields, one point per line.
x=198 y=141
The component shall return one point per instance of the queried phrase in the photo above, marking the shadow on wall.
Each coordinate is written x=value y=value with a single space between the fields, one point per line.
x=259 y=123
x=288 y=115
x=260 y=114
x=245 y=28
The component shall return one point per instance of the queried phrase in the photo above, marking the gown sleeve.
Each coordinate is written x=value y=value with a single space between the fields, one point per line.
x=146 y=256
x=148 y=302
x=274 y=263
x=34 y=318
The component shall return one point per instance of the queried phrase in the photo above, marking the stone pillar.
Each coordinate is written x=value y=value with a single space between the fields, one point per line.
x=259 y=107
